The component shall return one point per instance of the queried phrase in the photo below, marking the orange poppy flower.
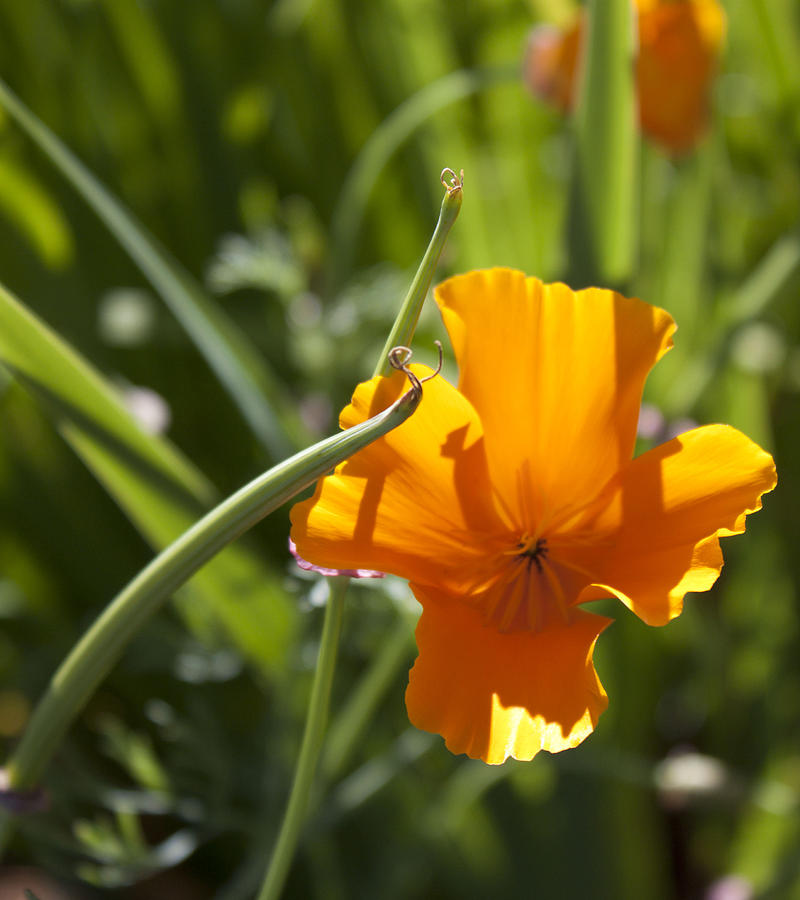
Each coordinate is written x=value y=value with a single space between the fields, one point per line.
x=679 y=42
x=512 y=500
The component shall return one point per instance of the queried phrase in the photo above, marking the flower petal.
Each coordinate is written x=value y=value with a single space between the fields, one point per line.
x=493 y=695
x=551 y=60
x=416 y=503
x=556 y=378
x=679 y=44
x=664 y=515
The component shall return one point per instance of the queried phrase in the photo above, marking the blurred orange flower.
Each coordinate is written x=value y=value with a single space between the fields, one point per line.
x=510 y=501
x=679 y=42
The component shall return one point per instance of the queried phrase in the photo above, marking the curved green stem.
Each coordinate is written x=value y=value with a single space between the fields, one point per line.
x=313 y=735
x=101 y=646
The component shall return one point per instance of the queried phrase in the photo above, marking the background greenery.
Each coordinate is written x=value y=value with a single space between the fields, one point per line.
x=287 y=155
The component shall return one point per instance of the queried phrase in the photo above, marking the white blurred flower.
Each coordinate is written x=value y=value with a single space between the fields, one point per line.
x=149 y=409
x=126 y=317
x=686 y=776
x=758 y=347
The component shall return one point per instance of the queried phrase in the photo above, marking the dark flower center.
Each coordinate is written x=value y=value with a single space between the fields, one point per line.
x=534 y=554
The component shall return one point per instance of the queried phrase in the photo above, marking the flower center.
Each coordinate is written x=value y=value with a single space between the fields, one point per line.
x=528 y=594
x=533 y=552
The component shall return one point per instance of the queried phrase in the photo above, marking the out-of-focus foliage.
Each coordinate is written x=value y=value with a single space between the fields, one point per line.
x=287 y=154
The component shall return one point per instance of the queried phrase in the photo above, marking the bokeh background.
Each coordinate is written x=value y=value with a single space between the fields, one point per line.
x=287 y=155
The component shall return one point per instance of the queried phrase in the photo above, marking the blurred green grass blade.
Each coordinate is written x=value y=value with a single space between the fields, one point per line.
x=780 y=39
x=679 y=280
x=743 y=400
x=775 y=274
x=232 y=357
x=387 y=138
x=161 y=492
x=147 y=57
x=684 y=245
x=394 y=653
x=767 y=281
x=41 y=360
x=30 y=207
x=362 y=784
x=604 y=188
x=92 y=658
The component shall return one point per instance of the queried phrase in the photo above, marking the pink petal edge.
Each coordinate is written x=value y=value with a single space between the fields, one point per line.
x=330 y=573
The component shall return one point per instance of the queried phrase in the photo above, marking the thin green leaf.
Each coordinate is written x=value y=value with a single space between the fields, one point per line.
x=775 y=274
x=352 y=720
x=228 y=352
x=684 y=241
x=781 y=43
x=160 y=491
x=383 y=143
x=26 y=203
x=98 y=650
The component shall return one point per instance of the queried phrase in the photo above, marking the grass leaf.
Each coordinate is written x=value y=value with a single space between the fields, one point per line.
x=228 y=352
x=605 y=178
x=160 y=491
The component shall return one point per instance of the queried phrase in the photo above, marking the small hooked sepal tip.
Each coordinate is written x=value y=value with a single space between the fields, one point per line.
x=400 y=357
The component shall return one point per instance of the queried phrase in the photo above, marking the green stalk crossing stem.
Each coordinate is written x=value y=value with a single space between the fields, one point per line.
x=98 y=650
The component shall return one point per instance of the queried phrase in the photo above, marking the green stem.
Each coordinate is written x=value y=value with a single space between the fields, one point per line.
x=295 y=815
x=401 y=333
x=406 y=322
x=101 y=646
x=605 y=177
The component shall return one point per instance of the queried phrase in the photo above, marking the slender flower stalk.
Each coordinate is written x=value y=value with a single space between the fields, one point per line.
x=400 y=336
x=313 y=736
x=406 y=322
